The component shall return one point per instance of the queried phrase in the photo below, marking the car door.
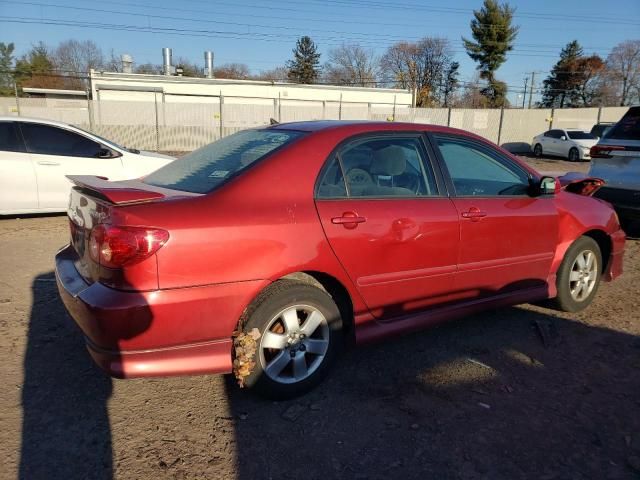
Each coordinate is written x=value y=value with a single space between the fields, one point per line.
x=387 y=218
x=507 y=236
x=18 y=186
x=57 y=152
x=554 y=142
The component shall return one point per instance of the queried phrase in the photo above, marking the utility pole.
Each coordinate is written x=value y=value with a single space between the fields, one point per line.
x=524 y=95
x=533 y=80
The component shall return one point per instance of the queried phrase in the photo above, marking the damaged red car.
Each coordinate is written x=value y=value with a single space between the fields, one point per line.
x=268 y=251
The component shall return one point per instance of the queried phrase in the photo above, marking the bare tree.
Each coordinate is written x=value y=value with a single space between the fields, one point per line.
x=277 y=74
x=148 y=68
x=350 y=64
x=623 y=68
x=423 y=66
x=189 y=69
x=74 y=59
x=238 y=71
x=113 y=63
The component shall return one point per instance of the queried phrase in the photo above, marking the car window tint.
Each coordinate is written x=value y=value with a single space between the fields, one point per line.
x=10 y=141
x=476 y=170
x=380 y=167
x=332 y=183
x=204 y=169
x=48 y=140
x=577 y=135
x=628 y=128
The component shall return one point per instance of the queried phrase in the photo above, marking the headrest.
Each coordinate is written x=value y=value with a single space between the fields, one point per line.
x=389 y=161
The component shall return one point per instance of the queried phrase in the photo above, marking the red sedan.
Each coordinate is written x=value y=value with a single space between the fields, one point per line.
x=264 y=253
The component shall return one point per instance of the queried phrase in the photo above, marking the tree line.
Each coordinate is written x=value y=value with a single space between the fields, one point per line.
x=427 y=67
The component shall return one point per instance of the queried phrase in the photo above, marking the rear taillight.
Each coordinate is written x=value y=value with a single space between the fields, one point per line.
x=604 y=151
x=115 y=247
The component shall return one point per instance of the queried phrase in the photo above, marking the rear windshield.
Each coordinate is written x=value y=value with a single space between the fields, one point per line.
x=580 y=136
x=628 y=128
x=204 y=169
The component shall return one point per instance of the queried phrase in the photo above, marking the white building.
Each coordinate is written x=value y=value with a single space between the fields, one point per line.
x=174 y=89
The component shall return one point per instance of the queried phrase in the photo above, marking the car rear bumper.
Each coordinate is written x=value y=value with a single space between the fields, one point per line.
x=155 y=333
x=614 y=268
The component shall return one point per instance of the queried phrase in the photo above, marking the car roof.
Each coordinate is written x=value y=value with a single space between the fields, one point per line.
x=320 y=125
x=10 y=118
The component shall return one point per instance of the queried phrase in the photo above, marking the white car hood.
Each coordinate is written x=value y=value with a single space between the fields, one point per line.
x=147 y=153
x=587 y=143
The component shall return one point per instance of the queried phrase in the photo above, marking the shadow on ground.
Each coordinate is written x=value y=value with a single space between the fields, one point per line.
x=65 y=430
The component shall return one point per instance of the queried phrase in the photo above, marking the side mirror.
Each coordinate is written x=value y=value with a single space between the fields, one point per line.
x=563 y=137
x=547 y=186
x=104 y=153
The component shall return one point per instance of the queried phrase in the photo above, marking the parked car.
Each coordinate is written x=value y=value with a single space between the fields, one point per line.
x=571 y=144
x=600 y=129
x=36 y=155
x=264 y=252
x=616 y=160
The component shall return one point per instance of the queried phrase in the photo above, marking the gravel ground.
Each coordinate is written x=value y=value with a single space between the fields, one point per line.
x=522 y=392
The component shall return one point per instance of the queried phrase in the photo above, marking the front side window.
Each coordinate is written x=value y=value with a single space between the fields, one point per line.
x=49 y=140
x=379 y=167
x=10 y=141
x=476 y=170
x=204 y=169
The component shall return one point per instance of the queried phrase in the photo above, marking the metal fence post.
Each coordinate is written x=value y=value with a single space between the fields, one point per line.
x=275 y=108
x=155 y=101
x=90 y=112
x=221 y=103
x=393 y=115
x=15 y=89
x=369 y=111
x=500 y=125
x=599 y=114
x=340 y=108
x=279 y=108
x=324 y=109
x=449 y=117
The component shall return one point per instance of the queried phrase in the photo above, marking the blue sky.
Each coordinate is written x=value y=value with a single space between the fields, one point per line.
x=262 y=34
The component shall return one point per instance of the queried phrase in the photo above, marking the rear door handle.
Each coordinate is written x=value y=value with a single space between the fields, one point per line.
x=474 y=214
x=44 y=162
x=349 y=220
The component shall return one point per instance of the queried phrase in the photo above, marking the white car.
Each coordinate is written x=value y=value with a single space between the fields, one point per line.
x=571 y=144
x=36 y=155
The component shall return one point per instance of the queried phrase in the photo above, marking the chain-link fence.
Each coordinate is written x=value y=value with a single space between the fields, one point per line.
x=170 y=126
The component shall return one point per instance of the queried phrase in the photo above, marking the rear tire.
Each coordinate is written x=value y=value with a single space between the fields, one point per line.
x=574 y=155
x=537 y=150
x=300 y=336
x=579 y=275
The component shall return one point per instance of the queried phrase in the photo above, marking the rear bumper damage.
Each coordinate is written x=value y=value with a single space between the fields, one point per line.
x=179 y=331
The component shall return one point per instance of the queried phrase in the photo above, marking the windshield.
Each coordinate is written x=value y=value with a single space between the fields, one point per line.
x=628 y=128
x=204 y=169
x=580 y=135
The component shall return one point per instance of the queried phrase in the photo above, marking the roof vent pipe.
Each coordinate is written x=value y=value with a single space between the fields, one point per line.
x=166 y=61
x=127 y=63
x=208 y=64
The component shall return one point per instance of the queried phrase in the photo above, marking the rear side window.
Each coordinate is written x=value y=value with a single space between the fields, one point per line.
x=575 y=135
x=48 y=140
x=628 y=128
x=10 y=141
x=379 y=167
x=204 y=169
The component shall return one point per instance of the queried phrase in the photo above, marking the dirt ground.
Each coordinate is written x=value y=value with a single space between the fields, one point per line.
x=521 y=392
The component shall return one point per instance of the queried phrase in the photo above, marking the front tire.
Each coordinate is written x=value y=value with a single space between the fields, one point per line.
x=537 y=150
x=574 y=155
x=300 y=336
x=579 y=275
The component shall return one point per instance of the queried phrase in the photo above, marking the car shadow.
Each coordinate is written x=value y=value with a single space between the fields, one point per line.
x=65 y=430
x=520 y=392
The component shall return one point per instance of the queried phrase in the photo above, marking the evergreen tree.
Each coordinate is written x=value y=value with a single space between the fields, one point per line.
x=494 y=36
x=6 y=64
x=560 y=87
x=304 y=68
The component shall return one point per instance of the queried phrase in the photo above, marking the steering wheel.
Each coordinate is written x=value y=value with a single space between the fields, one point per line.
x=358 y=176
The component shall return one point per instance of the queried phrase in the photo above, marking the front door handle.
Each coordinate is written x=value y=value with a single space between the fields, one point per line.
x=44 y=162
x=474 y=213
x=349 y=220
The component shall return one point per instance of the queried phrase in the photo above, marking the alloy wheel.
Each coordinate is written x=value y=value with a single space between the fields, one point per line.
x=583 y=276
x=294 y=344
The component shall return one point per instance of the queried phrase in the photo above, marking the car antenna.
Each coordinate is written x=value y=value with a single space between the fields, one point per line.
x=273 y=121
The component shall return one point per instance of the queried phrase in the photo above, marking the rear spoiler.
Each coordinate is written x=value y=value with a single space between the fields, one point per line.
x=118 y=193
